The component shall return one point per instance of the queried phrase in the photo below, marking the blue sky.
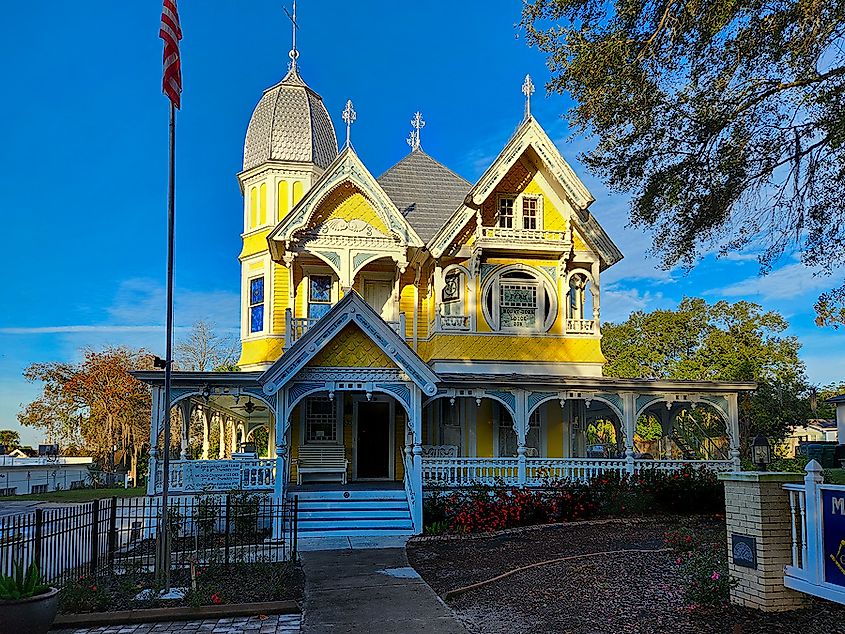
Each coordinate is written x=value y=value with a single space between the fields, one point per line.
x=84 y=160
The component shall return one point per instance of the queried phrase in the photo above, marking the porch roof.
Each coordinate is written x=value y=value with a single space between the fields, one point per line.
x=156 y=377
x=594 y=383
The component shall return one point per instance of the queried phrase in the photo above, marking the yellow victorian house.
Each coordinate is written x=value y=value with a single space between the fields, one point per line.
x=415 y=330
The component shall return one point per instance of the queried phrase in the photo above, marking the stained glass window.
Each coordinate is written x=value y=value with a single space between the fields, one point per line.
x=319 y=295
x=256 y=304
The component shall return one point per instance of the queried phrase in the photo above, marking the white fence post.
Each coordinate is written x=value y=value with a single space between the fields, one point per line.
x=815 y=561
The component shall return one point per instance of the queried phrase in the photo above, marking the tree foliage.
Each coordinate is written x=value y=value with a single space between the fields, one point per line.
x=205 y=351
x=94 y=404
x=725 y=119
x=10 y=438
x=717 y=342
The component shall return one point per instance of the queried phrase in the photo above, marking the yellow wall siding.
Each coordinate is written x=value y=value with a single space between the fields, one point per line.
x=262 y=204
x=484 y=429
x=351 y=348
x=266 y=349
x=301 y=300
x=298 y=191
x=347 y=203
x=253 y=207
x=348 y=441
x=408 y=306
x=284 y=199
x=554 y=430
x=293 y=448
x=504 y=348
x=281 y=284
x=254 y=243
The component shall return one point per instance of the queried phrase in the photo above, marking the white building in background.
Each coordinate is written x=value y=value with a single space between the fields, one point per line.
x=19 y=476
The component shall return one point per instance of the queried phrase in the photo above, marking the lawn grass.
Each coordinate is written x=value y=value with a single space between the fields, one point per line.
x=78 y=495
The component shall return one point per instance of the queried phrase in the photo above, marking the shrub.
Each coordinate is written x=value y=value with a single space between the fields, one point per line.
x=244 y=508
x=206 y=514
x=703 y=567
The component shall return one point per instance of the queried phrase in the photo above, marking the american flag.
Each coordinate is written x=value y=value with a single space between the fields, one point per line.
x=171 y=33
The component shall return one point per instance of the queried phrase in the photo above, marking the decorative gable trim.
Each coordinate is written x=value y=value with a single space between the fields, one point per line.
x=350 y=309
x=528 y=134
x=346 y=168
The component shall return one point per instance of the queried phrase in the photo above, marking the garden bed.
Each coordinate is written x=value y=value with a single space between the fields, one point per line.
x=216 y=584
x=623 y=592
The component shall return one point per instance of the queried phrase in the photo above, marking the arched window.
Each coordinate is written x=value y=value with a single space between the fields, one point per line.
x=519 y=298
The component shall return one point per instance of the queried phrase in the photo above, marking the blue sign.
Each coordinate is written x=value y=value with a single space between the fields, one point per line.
x=833 y=516
x=744 y=550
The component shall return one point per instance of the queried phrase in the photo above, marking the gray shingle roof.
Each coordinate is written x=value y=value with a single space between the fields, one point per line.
x=426 y=192
x=290 y=123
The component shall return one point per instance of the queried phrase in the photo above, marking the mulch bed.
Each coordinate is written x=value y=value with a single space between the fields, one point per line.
x=609 y=593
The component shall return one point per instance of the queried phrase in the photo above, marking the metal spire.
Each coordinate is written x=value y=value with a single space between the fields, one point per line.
x=527 y=90
x=294 y=54
x=417 y=124
x=349 y=116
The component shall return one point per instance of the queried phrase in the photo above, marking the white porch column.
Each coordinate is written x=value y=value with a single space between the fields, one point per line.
x=416 y=475
x=280 y=440
x=185 y=415
x=629 y=411
x=155 y=424
x=233 y=444
x=733 y=428
x=520 y=425
x=206 y=431
x=221 y=449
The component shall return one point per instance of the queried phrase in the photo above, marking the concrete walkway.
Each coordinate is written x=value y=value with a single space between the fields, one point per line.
x=370 y=591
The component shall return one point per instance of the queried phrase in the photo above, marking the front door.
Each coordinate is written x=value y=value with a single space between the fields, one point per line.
x=373 y=440
x=377 y=294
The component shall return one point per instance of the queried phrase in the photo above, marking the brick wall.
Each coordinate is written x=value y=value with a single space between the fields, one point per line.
x=757 y=506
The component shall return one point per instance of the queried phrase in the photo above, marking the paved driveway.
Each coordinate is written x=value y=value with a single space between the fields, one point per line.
x=372 y=590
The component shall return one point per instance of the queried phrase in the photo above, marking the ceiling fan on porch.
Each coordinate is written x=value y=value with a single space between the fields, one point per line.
x=249 y=407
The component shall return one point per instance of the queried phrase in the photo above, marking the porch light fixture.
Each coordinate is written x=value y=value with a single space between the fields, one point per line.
x=761 y=452
x=206 y=393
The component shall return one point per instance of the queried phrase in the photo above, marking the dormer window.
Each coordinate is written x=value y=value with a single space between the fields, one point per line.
x=520 y=212
x=506 y=208
x=530 y=212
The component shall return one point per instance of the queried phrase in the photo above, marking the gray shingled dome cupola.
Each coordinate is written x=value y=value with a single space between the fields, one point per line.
x=290 y=124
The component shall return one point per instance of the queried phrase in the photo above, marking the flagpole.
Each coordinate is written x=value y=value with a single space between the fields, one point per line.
x=165 y=477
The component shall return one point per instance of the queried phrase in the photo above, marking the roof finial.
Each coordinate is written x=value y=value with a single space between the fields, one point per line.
x=417 y=124
x=294 y=54
x=527 y=90
x=349 y=116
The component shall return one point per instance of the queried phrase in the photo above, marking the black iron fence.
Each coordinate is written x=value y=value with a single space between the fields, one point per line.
x=117 y=535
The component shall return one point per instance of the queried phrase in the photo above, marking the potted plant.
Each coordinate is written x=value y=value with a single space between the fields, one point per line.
x=26 y=604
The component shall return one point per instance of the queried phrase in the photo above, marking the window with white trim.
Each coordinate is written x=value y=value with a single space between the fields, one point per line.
x=320 y=420
x=506 y=209
x=530 y=212
x=256 y=304
x=517 y=298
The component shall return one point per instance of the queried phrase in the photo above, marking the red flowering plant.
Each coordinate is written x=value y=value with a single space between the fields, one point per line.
x=703 y=568
x=85 y=594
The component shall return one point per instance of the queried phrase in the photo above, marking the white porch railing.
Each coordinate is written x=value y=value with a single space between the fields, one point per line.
x=818 y=551
x=454 y=322
x=296 y=327
x=193 y=476
x=522 y=237
x=580 y=326
x=458 y=472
